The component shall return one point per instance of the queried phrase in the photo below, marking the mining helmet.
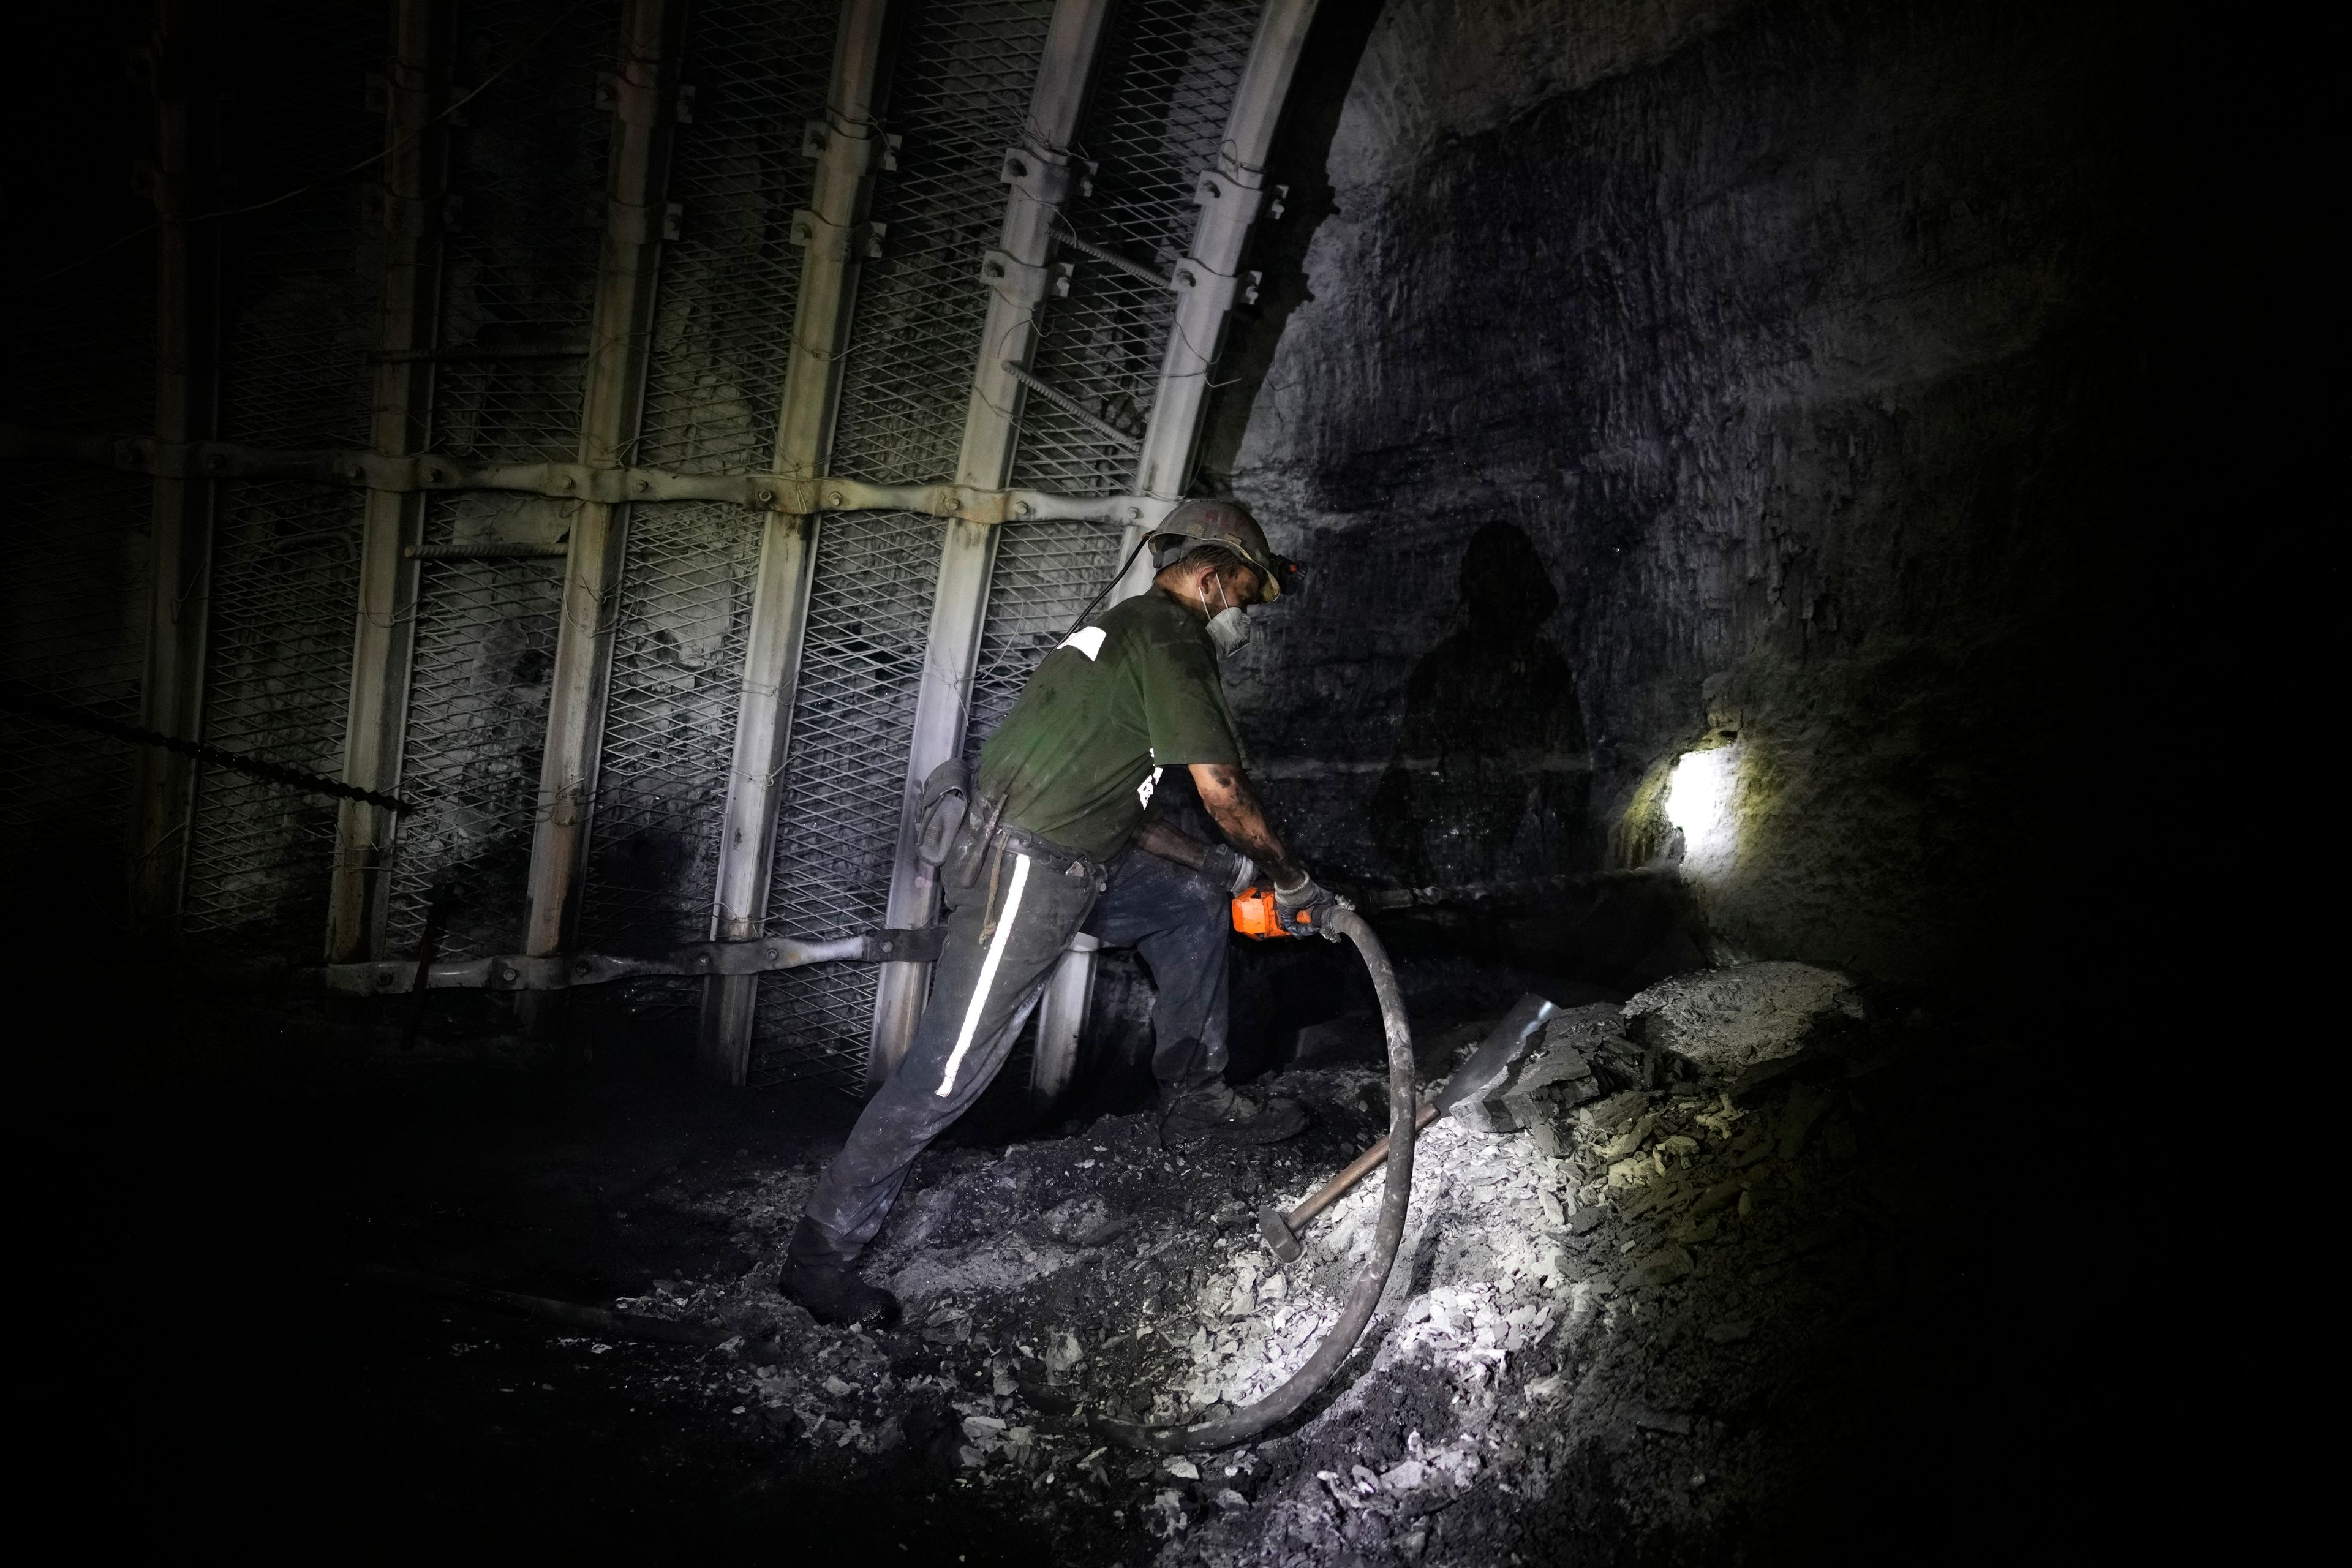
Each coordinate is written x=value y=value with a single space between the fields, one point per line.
x=1195 y=524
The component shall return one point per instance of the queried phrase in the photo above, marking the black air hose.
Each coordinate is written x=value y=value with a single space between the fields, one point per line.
x=1225 y=1431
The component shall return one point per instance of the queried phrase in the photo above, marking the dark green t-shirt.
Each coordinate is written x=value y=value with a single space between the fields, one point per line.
x=1133 y=693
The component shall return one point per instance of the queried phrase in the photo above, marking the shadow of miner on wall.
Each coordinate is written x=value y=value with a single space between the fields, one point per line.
x=1490 y=778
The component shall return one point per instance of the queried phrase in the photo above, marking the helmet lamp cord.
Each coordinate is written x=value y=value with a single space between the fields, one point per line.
x=1109 y=586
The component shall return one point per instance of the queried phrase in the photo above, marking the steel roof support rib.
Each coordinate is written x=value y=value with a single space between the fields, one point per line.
x=402 y=404
x=171 y=686
x=1019 y=277
x=1208 y=280
x=613 y=403
x=838 y=241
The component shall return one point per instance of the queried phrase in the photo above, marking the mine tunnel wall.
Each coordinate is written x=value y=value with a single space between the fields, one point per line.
x=1641 y=379
x=1637 y=379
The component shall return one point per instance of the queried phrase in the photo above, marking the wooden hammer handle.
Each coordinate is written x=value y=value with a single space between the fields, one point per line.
x=1355 y=1172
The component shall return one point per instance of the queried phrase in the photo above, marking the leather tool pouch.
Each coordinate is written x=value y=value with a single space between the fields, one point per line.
x=945 y=796
x=969 y=850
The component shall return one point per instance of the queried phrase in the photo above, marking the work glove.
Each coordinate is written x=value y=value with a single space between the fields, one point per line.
x=1311 y=899
x=1229 y=866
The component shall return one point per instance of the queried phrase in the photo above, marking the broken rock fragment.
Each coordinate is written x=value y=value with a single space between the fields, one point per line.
x=1723 y=1193
x=1585 y=1029
x=1628 y=1141
x=1074 y=1221
x=1606 y=1116
x=1536 y=1097
x=1725 y=1021
x=1663 y=1267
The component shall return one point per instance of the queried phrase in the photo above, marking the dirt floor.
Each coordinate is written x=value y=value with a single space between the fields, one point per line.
x=1815 y=1318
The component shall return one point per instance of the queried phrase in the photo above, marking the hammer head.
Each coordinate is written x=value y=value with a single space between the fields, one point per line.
x=1273 y=1225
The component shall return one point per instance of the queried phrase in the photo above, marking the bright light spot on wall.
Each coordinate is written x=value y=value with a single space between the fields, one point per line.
x=1702 y=800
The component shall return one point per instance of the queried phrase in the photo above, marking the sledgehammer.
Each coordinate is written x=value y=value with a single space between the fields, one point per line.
x=1502 y=1046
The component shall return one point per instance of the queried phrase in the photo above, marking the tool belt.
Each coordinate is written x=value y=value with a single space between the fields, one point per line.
x=957 y=833
x=1045 y=852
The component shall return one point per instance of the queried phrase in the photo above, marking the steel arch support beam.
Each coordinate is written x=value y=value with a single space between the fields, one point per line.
x=423 y=471
x=1206 y=284
x=1208 y=280
x=1019 y=279
x=1061 y=1020
x=171 y=686
x=855 y=151
x=375 y=724
x=748 y=834
x=644 y=101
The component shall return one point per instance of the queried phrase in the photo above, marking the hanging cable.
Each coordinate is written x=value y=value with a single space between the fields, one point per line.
x=1109 y=586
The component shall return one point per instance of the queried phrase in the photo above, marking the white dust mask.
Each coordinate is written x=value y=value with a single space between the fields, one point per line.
x=1228 y=628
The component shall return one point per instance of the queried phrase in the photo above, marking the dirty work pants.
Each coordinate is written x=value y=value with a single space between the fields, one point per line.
x=1005 y=935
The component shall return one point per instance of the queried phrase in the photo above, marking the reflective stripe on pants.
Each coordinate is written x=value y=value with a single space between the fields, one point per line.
x=1003 y=941
x=1003 y=938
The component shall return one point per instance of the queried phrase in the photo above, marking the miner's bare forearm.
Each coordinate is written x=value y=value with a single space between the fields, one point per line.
x=1234 y=807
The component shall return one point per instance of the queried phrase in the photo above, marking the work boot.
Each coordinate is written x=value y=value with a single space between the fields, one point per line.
x=819 y=1276
x=1223 y=1114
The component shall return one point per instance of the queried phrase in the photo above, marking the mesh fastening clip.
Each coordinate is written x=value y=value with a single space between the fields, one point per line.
x=1022 y=282
x=860 y=242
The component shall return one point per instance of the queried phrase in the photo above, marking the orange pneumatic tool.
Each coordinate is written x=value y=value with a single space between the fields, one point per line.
x=1254 y=916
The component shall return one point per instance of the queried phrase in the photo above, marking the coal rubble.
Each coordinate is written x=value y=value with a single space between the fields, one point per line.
x=1628 y=1313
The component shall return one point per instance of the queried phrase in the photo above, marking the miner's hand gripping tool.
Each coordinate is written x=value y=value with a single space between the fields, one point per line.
x=1258 y=916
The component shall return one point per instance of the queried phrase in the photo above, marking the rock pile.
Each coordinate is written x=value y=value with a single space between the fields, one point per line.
x=1601 y=1254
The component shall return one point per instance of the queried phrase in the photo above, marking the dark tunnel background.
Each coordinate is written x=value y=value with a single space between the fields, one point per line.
x=1769 y=382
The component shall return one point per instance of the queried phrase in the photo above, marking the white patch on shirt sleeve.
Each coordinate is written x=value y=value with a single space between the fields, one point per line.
x=1087 y=640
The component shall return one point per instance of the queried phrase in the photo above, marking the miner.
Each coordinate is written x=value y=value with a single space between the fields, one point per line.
x=1059 y=837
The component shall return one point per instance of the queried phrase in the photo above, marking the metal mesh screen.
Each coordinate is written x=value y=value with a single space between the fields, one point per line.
x=476 y=726
x=963 y=86
x=724 y=320
x=669 y=725
x=300 y=290
x=853 y=715
x=964 y=79
x=1157 y=118
x=285 y=576
x=731 y=279
x=526 y=170
x=300 y=274
x=526 y=175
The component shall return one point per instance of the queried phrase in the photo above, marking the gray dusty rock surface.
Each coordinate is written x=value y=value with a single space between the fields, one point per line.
x=1725 y=1021
x=1671 y=1321
x=1587 y=1335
